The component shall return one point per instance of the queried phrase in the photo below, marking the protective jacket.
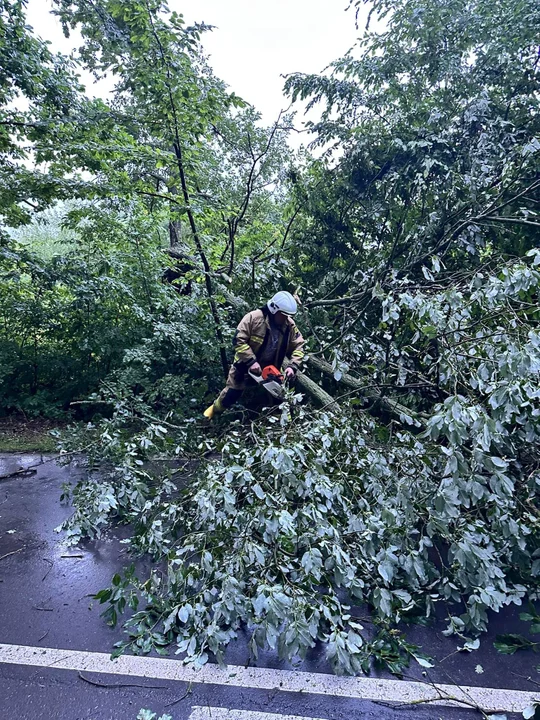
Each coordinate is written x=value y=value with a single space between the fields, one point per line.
x=252 y=335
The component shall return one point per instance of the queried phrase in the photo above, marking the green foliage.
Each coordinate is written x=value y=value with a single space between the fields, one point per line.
x=235 y=544
x=533 y=711
x=286 y=532
x=176 y=181
x=149 y=715
x=46 y=235
x=510 y=643
x=41 y=103
x=68 y=318
x=440 y=149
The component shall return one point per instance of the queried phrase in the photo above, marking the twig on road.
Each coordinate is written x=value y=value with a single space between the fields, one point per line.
x=43 y=609
x=184 y=696
x=444 y=696
x=44 y=635
x=50 y=568
x=13 y=552
x=23 y=471
x=119 y=685
x=526 y=677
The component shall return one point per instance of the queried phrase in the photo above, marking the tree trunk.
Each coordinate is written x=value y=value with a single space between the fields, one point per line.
x=315 y=392
x=202 y=255
x=381 y=403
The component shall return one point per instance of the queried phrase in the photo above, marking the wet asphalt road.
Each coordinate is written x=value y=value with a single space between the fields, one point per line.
x=45 y=591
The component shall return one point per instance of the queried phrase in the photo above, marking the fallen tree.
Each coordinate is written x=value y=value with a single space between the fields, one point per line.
x=379 y=403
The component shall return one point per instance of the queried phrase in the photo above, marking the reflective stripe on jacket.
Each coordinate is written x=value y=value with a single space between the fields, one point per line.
x=251 y=336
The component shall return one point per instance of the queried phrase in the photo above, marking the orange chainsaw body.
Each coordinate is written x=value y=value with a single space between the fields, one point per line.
x=270 y=372
x=271 y=380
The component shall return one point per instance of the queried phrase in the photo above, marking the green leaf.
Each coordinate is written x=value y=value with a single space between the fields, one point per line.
x=423 y=661
x=386 y=570
x=184 y=613
x=471 y=645
x=508 y=644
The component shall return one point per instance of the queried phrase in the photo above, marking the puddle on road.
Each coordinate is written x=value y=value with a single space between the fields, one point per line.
x=30 y=510
x=43 y=580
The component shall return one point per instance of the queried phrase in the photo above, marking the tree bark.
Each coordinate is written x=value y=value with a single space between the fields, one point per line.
x=315 y=392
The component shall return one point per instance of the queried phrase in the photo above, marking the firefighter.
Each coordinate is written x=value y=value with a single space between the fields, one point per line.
x=264 y=337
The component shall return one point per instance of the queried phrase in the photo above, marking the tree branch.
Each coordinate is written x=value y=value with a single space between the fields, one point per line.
x=392 y=407
x=517 y=221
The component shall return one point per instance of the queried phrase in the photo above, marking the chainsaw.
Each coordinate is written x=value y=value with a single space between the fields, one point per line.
x=271 y=380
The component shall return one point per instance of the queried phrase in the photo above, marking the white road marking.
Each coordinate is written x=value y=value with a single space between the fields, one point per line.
x=361 y=688
x=218 y=713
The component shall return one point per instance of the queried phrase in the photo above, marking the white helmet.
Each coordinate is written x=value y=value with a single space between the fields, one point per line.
x=282 y=302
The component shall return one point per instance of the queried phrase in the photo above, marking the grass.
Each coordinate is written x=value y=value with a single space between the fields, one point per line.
x=21 y=435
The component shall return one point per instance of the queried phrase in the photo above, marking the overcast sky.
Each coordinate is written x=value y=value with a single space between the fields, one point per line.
x=254 y=43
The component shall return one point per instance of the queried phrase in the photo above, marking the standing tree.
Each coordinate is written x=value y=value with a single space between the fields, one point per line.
x=176 y=115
